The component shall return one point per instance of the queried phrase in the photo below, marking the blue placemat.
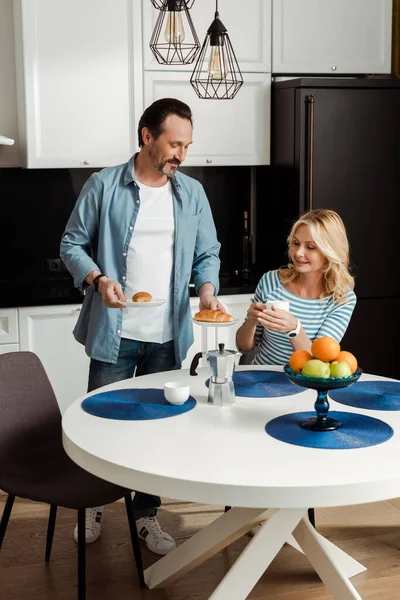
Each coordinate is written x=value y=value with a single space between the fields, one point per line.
x=134 y=405
x=357 y=431
x=263 y=384
x=374 y=395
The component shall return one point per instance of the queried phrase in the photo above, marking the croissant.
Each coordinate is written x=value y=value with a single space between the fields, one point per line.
x=142 y=297
x=213 y=316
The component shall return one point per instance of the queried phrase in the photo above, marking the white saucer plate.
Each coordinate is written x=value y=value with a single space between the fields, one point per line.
x=131 y=304
x=209 y=324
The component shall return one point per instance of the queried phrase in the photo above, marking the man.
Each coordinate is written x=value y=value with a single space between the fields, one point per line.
x=142 y=226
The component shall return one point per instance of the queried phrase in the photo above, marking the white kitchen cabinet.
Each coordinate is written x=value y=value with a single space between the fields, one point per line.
x=9 y=337
x=248 y=25
x=79 y=81
x=8 y=327
x=8 y=100
x=331 y=36
x=47 y=331
x=237 y=306
x=225 y=132
x=9 y=348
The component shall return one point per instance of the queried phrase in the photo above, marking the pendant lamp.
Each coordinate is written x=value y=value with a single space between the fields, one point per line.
x=174 y=40
x=159 y=3
x=217 y=74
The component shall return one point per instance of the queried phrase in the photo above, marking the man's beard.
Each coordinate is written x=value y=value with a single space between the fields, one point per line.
x=162 y=165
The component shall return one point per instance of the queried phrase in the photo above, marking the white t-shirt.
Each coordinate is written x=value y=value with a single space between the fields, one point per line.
x=150 y=266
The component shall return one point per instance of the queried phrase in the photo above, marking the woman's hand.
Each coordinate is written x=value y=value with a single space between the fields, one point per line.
x=253 y=314
x=246 y=332
x=276 y=319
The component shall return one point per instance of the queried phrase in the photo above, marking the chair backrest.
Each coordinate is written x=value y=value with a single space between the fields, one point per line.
x=33 y=462
x=29 y=412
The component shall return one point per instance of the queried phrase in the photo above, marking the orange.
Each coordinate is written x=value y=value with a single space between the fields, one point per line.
x=298 y=360
x=349 y=358
x=325 y=348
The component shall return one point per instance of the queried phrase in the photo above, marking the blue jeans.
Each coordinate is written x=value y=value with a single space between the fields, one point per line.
x=145 y=357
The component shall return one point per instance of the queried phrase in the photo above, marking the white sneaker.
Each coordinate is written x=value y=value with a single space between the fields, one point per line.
x=92 y=524
x=157 y=540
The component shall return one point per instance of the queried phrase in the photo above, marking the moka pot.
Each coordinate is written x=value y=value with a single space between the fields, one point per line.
x=222 y=363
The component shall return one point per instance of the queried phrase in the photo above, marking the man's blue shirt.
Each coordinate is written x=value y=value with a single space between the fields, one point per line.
x=97 y=237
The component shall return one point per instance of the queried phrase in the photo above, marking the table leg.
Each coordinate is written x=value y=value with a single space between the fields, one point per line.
x=204 y=544
x=348 y=565
x=257 y=556
x=332 y=564
x=328 y=564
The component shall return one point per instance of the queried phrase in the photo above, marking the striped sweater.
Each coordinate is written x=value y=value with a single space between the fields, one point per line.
x=318 y=318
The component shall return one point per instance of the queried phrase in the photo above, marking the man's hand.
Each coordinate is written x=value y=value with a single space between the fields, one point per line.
x=211 y=304
x=108 y=290
x=207 y=299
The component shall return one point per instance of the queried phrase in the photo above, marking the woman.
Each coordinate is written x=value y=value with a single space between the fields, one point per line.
x=317 y=285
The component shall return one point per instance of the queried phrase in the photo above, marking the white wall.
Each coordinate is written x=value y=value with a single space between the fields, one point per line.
x=8 y=96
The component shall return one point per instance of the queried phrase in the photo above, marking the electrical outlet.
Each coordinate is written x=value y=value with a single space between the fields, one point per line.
x=54 y=265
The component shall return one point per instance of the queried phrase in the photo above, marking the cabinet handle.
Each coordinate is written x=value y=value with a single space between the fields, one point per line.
x=78 y=310
x=209 y=161
x=334 y=67
x=310 y=145
x=86 y=162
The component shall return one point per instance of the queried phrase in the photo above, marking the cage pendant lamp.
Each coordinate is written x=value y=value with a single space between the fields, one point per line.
x=159 y=3
x=216 y=74
x=174 y=40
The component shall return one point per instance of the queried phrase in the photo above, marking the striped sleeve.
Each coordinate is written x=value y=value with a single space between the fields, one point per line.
x=337 y=321
x=262 y=290
x=259 y=293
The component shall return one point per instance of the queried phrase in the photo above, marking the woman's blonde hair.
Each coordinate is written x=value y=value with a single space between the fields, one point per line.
x=329 y=234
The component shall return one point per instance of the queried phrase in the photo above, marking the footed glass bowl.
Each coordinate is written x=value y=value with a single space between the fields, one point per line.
x=321 y=422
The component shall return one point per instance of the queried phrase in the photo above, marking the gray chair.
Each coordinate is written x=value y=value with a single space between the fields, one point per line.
x=33 y=463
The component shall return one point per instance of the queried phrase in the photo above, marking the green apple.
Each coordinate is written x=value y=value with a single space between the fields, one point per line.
x=340 y=369
x=316 y=368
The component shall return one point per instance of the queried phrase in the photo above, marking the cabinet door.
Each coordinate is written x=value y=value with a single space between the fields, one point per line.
x=212 y=336
x=79 y=81
x=9 y=348
x=8 y=326
x=226 y=132
x=8 y=104
x=47 y=331
x=322 y=36
x=249 y=32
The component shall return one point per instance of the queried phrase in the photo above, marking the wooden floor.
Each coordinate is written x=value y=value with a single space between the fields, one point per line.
x=370 y=533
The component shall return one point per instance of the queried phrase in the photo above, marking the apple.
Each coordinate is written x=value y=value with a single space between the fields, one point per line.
x=316 y=368
x=340 y=369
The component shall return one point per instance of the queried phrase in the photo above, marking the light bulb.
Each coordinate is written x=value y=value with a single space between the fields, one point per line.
x=174 y=30
x=217 y=65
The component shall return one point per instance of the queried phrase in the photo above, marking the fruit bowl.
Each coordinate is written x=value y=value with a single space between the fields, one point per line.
x=322 y=385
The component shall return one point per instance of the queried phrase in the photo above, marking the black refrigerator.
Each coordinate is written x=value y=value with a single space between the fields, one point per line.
x=336 y=145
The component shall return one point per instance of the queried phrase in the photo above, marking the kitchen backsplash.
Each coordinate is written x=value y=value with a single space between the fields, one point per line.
x=36 y=205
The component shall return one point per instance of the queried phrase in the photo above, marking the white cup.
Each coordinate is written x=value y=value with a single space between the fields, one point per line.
x=176 y=392
x=281 y=304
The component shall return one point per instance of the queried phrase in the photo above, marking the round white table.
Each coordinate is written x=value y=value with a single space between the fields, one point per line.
x=222 y=455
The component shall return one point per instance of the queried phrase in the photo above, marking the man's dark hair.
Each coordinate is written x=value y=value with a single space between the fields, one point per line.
x=154 y=116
